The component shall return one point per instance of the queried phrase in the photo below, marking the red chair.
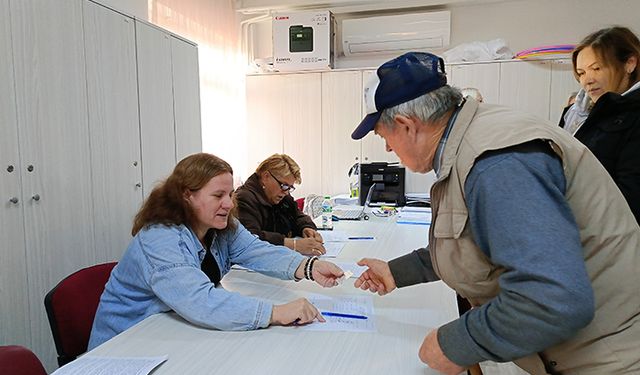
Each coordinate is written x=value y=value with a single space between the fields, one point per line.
x=18 y=360
x=300 y=203
x=71 y=307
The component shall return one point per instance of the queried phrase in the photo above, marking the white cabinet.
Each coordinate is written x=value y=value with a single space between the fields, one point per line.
x=113 y=125
x=264 y=135
x=156 y=104
x=53 y=139
x=538 y=87
x=286 y=118
x=563 y=84
x=186 y=97
x=340 y=115
x=13 y=279
x=373 y=146
x=483 y=76
x=169 y=101
x=70 y=145
x=302 y=134
x=525 y=85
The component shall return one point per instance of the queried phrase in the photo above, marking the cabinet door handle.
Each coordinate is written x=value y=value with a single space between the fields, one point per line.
x=138 y=185
x=36 y=197
x=14 y=200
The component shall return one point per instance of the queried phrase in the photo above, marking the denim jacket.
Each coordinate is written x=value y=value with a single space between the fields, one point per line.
x=160 y=272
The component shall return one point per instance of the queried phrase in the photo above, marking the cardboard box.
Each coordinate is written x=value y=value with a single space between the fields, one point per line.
x=303 y=41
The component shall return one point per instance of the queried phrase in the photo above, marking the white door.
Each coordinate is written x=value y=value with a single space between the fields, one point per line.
x=114 y=127
x=186 y=97
x=341 y=113
x=525 y=85
x=14 y=309
x=55 y=165
x=157 y=130
x=301 y=116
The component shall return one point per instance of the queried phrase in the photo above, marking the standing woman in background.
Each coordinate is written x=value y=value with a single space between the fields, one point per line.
x=605 y=64
x=265 y=207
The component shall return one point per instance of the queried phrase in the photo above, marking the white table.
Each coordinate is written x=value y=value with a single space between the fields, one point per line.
x=402 y=319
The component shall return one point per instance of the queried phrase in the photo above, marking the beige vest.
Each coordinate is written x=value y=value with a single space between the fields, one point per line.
x=609 y=234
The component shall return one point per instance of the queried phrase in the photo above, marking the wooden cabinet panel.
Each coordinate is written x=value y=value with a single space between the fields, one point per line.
x=484 y=77
x=155 y=87
x=341 y=113
x=373 y=147
x=264 y=122
x=14 y=308
x=186 y=97
x=114 y=129
x=563 y=84
x=52 y=117
x=525 y=85
x=301 y=117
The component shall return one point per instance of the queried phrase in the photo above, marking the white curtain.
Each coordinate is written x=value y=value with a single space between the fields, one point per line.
x=212 y=24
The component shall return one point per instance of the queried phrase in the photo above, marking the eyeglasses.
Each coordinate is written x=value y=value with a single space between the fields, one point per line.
x=283 y=186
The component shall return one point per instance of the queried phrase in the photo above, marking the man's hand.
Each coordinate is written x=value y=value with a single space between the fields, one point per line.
x=431 y=354
x=377 y=279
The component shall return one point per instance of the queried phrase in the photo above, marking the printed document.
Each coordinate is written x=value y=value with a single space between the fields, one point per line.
x=89 y=365
x=361 y=306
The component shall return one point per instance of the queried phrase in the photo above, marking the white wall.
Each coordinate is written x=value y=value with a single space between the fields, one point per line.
x=522 y=23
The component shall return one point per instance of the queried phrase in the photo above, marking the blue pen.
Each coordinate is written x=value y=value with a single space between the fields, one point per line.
x=360 y=238
x=341 y=315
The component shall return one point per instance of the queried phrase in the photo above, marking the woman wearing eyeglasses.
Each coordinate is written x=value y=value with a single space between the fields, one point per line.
x=266 y=208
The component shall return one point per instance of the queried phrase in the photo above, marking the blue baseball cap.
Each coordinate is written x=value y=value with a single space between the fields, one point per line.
x=397 y=81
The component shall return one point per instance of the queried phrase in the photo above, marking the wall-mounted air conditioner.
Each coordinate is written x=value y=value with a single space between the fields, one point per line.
x=396 y=34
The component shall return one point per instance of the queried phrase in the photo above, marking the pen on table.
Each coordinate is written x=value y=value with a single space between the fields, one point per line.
x=341 y=315
x=361 y=238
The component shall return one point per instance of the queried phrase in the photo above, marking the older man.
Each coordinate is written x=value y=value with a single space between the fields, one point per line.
x=526 y=225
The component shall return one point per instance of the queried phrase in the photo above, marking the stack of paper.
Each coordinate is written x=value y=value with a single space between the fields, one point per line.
x=414 y=215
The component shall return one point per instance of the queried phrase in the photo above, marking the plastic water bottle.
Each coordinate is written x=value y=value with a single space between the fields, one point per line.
x=327 y=213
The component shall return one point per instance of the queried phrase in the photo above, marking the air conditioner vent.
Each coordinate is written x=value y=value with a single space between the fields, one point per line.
x=396 y=34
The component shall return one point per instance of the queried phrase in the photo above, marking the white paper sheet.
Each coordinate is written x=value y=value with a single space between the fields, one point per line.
x=355 y=305
x=351 y=266
x=333 y=249
x=414 y=215
x=334 y=236
x=89 y=365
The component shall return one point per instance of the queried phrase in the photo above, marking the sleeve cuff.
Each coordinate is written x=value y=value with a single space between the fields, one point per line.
x=413 y=268
x=263 y=315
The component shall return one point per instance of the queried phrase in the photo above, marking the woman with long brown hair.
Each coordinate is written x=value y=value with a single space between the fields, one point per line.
x=185 y=240
x=606 y=115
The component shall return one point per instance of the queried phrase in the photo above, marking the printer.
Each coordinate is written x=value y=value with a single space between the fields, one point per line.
x=382 y=183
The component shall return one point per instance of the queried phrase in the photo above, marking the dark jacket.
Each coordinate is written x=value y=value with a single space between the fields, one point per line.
x=612 y=133
x=272 y=223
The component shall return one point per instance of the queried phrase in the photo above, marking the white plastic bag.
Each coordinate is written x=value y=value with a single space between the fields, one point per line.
x=495 y=49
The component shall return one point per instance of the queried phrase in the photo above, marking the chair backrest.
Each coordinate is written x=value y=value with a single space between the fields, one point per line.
x=18 y=360
x=71 y=307
x=300 y=203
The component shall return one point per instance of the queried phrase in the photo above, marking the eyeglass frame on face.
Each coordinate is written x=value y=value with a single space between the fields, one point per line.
x=284 y=187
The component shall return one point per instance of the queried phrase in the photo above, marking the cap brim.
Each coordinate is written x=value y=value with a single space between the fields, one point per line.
x=366 y=125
